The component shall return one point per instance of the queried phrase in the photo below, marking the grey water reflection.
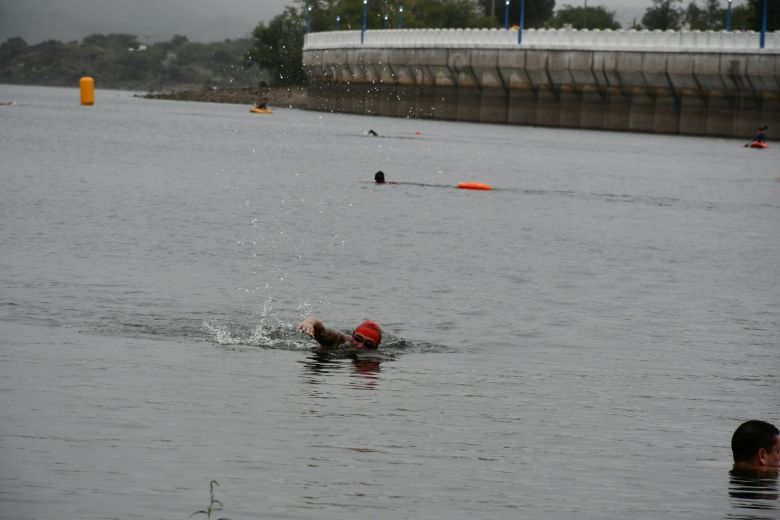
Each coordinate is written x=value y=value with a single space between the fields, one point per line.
x=753 y=495
x=321 y=364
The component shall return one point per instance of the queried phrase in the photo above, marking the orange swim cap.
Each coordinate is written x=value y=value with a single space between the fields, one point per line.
x=370 y=330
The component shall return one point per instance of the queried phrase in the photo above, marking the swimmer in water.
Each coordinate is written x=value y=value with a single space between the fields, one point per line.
x=756 y=447
x=379 y=177
x=371 y=132
x=366 y=336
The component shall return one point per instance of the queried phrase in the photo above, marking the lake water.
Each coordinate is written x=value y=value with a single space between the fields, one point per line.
x=579 y=343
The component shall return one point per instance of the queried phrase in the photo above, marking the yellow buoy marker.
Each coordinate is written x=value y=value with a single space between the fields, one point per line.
x=87 y=85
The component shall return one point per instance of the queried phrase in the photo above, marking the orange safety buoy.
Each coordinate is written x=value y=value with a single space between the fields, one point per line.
x=475 y=186
x=87 y=87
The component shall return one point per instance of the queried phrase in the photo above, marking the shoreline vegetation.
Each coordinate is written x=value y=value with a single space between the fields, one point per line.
x=289 y=97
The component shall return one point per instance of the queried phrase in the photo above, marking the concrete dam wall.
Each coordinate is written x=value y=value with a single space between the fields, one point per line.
x=697 y=83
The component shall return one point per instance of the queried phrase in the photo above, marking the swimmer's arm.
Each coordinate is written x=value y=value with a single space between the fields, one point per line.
x=322 y=334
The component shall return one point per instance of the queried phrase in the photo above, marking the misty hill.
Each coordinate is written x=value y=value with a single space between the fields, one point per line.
x=120 y=61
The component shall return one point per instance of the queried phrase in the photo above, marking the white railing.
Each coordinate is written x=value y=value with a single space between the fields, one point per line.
x=546 y=38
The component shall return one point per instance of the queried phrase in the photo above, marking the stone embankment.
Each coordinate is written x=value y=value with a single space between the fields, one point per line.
x=677 y=82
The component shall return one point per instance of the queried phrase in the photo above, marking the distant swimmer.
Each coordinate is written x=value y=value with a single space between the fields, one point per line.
x=371 y=132
x=756 y=447
x=761 y=134
x=366 y=336
x=379 y=178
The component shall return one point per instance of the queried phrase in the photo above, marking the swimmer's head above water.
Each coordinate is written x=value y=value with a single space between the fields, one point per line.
x=379 y=177
x=756 y=445
x=366 y=335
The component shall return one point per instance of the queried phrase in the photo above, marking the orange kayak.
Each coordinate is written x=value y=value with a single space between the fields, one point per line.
x=475 y=186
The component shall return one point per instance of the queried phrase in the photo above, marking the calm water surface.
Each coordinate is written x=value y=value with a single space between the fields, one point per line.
x=578 y=343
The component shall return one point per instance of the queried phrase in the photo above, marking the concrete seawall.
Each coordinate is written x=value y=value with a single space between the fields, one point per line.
x=679 y=83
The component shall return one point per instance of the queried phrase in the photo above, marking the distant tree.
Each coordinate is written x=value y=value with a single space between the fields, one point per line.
x=116 y=61
x=12 y=47
x=117 y=41
x=278 y=47
x=193 y=53
x=716 y=15
x=444 y=14
x=695 y=17
x=664 y=15
x=773 y=14
x=584 y=18
x=537 y=12
x=711 y=18
x=417 y=14
x=178 y=40
x=742 y=18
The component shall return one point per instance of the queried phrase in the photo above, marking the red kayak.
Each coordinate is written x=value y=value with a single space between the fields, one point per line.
x=759 y=144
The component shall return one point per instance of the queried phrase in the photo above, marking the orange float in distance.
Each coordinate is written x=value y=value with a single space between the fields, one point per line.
x=87 y=87
x=475 y=186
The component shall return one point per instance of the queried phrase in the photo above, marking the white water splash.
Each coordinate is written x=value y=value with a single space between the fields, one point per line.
x=221 y=334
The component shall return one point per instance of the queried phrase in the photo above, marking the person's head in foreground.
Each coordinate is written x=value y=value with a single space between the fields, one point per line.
x=379 y=177
x=367 y=335
x=756 y=446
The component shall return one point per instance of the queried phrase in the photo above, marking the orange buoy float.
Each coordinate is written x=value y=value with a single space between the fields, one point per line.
x=87 y=88
x=475 y=186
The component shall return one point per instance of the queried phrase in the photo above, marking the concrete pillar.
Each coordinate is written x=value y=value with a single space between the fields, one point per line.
x=593 y=112
x=666 y=110
x=618 y=108
x=406 y=88
x=546 y=100
x=493 y=102
x=566 y=90
x=469 y=96
x=521 y=98
x=720 y=113
x=444 y=94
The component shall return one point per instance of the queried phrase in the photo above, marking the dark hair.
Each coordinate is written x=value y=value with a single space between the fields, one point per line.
x=379 y=177
x=750 y=437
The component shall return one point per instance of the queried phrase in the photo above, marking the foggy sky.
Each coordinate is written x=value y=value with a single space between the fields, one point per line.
x=198 y=20
x=153 y=20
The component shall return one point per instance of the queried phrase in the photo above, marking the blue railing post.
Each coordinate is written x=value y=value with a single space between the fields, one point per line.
x=506 y=15
x=763 y=25
x=728 y=17
x=522 y=22
x=401 y=17
x=363 y=28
